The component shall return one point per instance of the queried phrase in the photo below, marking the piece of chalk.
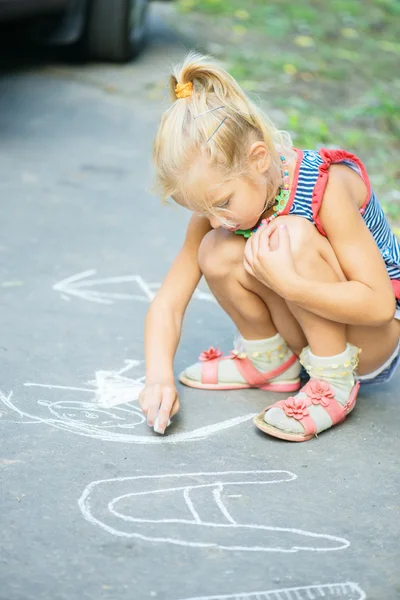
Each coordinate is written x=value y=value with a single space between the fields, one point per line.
x=156 y=429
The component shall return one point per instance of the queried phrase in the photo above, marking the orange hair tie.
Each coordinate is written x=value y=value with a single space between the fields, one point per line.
x=184 y=90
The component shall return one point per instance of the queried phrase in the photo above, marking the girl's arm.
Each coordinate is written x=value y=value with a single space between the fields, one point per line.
x=367 y=297
x=163 y=327
x=165 y=316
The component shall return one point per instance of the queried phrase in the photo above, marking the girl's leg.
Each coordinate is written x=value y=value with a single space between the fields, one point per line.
x=270 y=334
x=316 y=260
x=256 y=310
x=331 y=357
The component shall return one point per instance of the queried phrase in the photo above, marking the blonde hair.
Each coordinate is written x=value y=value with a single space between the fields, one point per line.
x=217 y=121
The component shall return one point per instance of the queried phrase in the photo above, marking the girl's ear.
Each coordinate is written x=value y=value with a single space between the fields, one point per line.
x=260 y=157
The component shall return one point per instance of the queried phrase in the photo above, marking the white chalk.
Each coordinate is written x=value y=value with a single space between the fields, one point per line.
x=156 y=429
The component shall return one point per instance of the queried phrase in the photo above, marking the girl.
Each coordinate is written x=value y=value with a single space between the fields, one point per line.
x=296 y=249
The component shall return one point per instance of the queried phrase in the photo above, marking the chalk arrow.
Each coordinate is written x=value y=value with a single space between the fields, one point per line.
x=81 y=286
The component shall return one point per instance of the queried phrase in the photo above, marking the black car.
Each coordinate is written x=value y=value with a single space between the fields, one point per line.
x=111 y=30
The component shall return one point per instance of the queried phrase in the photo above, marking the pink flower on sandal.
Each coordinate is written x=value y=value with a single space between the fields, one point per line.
x=319 y=392
x=210 y=354
x=295 y=407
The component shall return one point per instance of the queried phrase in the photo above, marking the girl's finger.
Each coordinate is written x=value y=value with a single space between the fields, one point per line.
x=262 y=238
x=154 y=405
x=265 y=238
x=145 y=409
x=176 y=407
x=164 y=413
x=255 y=243
x=142 y=396
x=248 y=251
x=248 y=267
x=144 y=401
x=272 y=226
x=284 y=238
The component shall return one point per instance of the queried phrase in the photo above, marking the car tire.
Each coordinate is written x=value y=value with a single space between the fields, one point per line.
x=116 y=29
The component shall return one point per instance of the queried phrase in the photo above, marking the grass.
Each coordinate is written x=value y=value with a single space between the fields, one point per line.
x=327 y=71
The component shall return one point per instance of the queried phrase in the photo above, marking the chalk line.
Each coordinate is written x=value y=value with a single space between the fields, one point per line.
x=197 y=533
x=339 y=591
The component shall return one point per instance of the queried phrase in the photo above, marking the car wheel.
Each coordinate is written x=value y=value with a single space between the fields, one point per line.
x=116 y=29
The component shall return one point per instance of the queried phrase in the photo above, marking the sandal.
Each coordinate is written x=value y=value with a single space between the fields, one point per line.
x=318 y=392
x=254 y=378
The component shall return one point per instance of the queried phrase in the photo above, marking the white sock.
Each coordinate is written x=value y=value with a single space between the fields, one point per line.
x=266 y=355
x=337 y=371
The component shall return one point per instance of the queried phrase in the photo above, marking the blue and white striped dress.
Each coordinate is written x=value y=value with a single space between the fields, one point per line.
x=311 y=175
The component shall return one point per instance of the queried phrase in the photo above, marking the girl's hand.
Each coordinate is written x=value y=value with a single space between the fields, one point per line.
x=159 y=402
x=273 y=267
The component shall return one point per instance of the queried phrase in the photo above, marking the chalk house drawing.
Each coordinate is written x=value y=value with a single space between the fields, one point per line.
x=199 y=510
x=80 y=286
x=338 y=591
x=110 y=411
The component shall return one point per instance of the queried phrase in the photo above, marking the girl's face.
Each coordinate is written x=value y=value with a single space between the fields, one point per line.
x=236 y=203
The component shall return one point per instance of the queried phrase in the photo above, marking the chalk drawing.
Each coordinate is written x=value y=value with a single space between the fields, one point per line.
x=79 y=286
x=339 y=591
x=110 y=411
x=195 y=513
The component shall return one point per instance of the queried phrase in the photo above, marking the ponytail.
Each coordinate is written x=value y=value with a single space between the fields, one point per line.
x=211 y=116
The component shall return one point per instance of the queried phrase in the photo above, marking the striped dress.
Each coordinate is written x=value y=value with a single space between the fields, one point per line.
x=310 y=179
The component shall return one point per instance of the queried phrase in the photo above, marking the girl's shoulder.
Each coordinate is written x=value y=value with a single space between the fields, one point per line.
x=330 y=156
x=342 y=168
x=347 y=181
x=321 y=176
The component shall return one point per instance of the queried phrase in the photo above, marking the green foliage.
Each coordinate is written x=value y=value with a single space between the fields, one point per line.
x=329 y=69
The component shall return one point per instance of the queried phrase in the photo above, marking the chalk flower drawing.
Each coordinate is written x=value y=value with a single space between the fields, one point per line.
x=110 y=411
x=194 y=509
x=339 y=591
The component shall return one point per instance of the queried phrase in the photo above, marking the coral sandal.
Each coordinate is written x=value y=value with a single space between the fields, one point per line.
x=317 y=393
x=254 y=379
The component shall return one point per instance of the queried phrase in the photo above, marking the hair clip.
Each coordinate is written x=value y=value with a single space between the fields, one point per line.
x=209 y=111
x=212 y=135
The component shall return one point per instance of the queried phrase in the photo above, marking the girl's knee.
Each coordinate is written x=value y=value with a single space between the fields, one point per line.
x=308 y=246
x=219 y=251
x=304 y=236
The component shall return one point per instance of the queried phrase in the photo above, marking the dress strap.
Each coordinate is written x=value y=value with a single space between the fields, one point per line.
x=334 y=157
x=396 y=287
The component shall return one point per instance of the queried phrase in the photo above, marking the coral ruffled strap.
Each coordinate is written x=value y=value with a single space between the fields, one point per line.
x=333 y=157
x=209 y=372
x=257 y=379
x=396 y=287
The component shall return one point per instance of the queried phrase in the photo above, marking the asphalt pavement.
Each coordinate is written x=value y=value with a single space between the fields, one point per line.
x=93 y=504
